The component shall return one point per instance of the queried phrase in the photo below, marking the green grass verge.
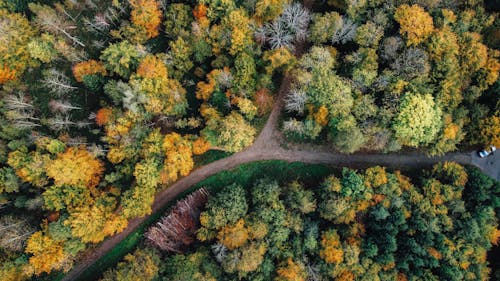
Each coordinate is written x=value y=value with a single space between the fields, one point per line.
x=245 y=175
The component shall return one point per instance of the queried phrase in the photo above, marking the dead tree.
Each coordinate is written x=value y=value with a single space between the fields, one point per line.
x=177 y=230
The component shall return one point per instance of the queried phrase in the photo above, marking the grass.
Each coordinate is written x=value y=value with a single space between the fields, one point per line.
x=245 y=175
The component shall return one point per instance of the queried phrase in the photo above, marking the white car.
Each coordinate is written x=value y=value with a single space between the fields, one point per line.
x=487 y=151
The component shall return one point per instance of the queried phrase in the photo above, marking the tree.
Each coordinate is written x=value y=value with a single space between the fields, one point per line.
x=227 y=207
x=175 y=231
x=324 y=26
x=146 y=14
x=161 y=95
x=292 y=271
x=47 y=254
x=331 y=251
x=89 y=67
x=92 y=223
x=43 y=48
x=490 y=130
x=181 y=51
x=369 y=34
x=178 y=157
x=63 y=168
x=54 y=21
x=15 y=35
x=233 y=133
x=418 y=120
x=233 y=236
x=66 y=197
x=415 y=23
x=14 y=231
x=121 y=58
x=142 y=264
x=9 y=182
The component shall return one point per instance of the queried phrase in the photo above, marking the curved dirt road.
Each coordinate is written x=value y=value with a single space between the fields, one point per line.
x=267 y=147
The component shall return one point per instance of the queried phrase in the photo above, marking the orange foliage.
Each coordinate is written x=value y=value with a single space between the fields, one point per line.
x=345 y=275
x=495 y=237
x=88 y=68
x=292 y=272
x=76 y=166
x=200 y=11
x=152 y=67
x=204 y=90
x=147 y=14
x=7 y=74
x=402 y=277
x=102 y=116
x=332 y=251
x=321 y=116
x=435 y=253
x=233 y=236
x=200 y=146
x=264 y=101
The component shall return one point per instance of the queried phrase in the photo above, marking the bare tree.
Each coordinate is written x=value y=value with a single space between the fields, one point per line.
x=296 y=18
x=60 y=122
x=294 y=126
x=177 y=230
x=295 y=101
x=18 y=102
x=57 y=82
x=345 y=31
x=220 y=251
x=14 y=231
x=50 y=20
x=62 y=106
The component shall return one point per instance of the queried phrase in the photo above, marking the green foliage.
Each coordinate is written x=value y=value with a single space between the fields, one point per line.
x=141 y=265
x=121 y=58
x=418 y=121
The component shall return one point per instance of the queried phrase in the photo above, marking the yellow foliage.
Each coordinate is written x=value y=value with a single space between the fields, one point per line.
x=291 y=272
x=490 y=130
x=200 y=146
x=178 y=160
x=345 y=275
x=415 y=23
x=152 y=67
x=375 y=176
x=247 y=107
x=492 y=68
x=241 y=34
x=88 y=68
x=147 y=14
x=331 y=251
x=267 y=10
x=404 y=181
x=116 y=154
x=76 y=166
x=281 y=57
x=47 y=254
x=321 y=116
x=257 y=230
x=233 y=236
x=495 y=237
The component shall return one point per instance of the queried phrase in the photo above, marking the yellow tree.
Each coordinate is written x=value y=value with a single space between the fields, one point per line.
x=14 y=38
x=331 y=251
x=292 y=271
x=414 y=23
x=47 y=254
x=76 y=166
x=490 y=130
x=146 y=14
x=233 y=236
x=178 y=158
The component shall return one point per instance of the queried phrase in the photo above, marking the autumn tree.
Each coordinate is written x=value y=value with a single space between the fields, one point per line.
x=46 y=253
x=142 y=264
x=90 y=67
x=415 y=23
x=292 y=271
x=16 y=33
x=147 y=15
x=62 y=169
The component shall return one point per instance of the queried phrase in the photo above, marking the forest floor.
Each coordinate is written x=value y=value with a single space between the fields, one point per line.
x=268 y=146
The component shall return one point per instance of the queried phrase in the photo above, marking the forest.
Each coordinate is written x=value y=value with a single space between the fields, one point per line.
x=103 y=104
x=370 y=224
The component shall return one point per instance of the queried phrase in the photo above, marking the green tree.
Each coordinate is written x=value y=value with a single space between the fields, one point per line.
x=418 y=120
x=121 y=58
x=142 y=264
